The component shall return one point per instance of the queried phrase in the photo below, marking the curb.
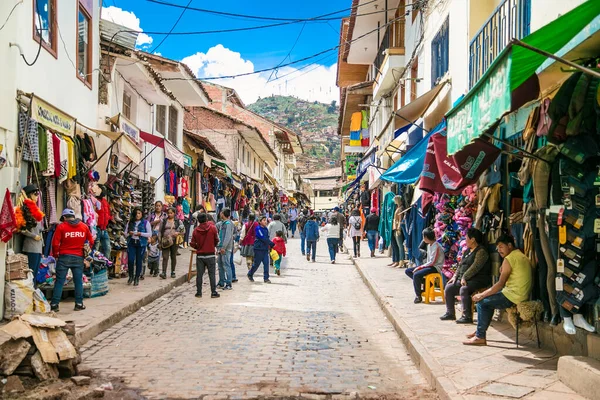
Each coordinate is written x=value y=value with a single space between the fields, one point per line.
x=428 y=366
x=89 y=332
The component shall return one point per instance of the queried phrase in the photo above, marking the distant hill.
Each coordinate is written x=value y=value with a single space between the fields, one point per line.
x=315 y=122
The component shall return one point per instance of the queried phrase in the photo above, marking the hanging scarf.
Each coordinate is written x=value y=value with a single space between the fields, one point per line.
x=8 y=221
x=28 y=215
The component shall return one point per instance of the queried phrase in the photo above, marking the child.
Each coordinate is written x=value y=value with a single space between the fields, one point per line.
x=280 y=249
x=153 y=255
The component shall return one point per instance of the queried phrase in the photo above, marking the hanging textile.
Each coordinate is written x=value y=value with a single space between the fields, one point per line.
x=173 y=154
x=386 y=218
x=49 y=171
x=8 y=220
x=28 y=138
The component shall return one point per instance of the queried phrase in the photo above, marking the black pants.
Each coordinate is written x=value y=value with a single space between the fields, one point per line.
x=451 y=291
x=172 y=253
x=202 y=264
x=356 y=243
x=419 y=277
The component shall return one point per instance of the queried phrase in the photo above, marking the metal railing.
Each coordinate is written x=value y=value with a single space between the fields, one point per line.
x=392 y=39
x=510 y=20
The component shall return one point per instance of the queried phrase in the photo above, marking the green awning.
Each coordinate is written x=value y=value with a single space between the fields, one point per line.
x=491 y=98
x=220 y=165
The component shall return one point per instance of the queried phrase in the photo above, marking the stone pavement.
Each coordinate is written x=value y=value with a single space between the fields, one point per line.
x=122 y=300
x=497 y=371
x=315 y=332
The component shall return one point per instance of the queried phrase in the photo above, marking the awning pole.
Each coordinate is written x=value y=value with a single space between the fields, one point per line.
x=121 y=171
x=141 y=161
x=556 y=58
x=103 y=154
x=528 y=154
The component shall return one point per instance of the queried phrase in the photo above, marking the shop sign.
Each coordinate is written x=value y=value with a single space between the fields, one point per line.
x=129 y=128
x=352 y=161
x=187 y=160
x=51 y=117
x=488 y=102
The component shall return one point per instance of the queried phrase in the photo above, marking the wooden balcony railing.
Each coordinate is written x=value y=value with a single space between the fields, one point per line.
x=392 y=39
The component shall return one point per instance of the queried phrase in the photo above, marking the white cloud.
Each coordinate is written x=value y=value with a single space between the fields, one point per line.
x=315 y=82
x=127 y=19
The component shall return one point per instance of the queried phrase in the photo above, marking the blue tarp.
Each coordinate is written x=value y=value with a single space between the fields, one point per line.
x=408 y=169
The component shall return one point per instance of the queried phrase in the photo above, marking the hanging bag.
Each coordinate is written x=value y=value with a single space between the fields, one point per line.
x=165 y=241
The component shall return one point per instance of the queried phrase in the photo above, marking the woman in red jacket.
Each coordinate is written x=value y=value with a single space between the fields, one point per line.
x=104 y=217
x=247 y=238
x=67 y=248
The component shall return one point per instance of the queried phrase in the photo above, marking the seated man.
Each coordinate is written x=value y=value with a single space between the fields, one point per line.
x=513 y=287
x=434 y=264
x=474 y=273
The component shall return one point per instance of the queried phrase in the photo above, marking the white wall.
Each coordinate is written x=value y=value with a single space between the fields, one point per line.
x=546 y=11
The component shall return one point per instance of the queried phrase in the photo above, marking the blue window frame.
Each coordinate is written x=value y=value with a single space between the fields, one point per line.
x=439 y=53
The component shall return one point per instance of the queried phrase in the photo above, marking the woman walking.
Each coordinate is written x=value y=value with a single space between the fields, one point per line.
x=332 y=229
x=372 y=226
x=138 y=233
x=355 y=230
x=170 y=229
x=262 y=247
x=247 y=238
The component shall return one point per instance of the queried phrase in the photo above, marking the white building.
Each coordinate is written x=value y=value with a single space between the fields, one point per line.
x=325 y=188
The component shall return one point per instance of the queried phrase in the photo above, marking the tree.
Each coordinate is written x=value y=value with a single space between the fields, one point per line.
x=332 y=107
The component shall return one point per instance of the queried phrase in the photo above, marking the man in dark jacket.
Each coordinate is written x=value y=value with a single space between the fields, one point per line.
x=311 y=231
x=365 y=199
x=205 y=239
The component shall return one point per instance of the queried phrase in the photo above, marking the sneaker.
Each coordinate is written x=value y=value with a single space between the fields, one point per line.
x=198 y=294
x=79 y=307
x=163 y=276
x=251 y=279
x=308 y=257
x=54 y=307
x=303 y=254
x=448 y=317
x=234 y=280
x=333 y=261
x=228 y=288
x=464 y=320
x=268 y=280
x=173 y=275
x=220 y=286
x=214 y=295
x=278 y=272
x=418 y=300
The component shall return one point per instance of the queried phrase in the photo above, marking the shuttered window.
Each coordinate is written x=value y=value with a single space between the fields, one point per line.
x=439 y=54
x=173 y=114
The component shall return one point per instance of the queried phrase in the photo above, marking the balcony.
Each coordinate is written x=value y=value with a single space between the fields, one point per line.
x=389 y=58
x=290 y=160
x=510 y=20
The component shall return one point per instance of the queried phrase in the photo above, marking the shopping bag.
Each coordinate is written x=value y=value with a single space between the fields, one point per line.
x=274 y=255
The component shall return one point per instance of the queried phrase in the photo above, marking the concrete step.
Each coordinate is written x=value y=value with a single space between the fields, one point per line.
x=581 y=374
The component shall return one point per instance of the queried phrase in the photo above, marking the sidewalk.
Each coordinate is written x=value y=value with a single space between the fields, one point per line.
x=122 y=300
x=497 y=371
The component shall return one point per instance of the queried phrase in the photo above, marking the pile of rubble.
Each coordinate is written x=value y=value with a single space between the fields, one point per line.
x=40 y=347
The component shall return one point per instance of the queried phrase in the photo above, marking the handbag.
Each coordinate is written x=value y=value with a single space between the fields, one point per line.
x=165 y=241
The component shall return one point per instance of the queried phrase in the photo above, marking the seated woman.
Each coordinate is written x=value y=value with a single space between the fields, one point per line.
x=434 y=264
x=473 y=273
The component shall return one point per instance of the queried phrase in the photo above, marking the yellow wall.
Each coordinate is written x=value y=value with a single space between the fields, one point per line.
x=479 y=12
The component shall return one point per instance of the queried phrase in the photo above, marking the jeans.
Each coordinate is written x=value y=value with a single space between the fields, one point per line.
x=135 y=253
x=233 y=277
x=34 y=260
x=103 y=243
x=166 y=253
x=303 y=242
x=372 y=239
x=203 y=264
x=225 y=269
x=485 y=311
x=293 y=225
x=418 y=277
x=63 y=264
x=356 y=245
x=311 y=248
x=395 y=248
x=465 y=292
x=261 y=257
x=333 y=244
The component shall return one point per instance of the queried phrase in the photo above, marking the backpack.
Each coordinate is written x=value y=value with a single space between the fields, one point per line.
x=302 y=222
x=357 y=224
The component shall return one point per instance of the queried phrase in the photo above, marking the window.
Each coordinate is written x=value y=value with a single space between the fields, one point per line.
x=414 y=73
x=254 y=160
x=173 y=114
x=44 y=24
x=84 y=46
x=402 y=95
x=161 y=119
x=127 y=105
x=326 y=193
x=439 y=54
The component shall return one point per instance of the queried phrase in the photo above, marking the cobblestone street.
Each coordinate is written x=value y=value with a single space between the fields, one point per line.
x=316 y=330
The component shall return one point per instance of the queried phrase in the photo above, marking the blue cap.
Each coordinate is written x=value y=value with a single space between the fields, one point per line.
x=67 y=212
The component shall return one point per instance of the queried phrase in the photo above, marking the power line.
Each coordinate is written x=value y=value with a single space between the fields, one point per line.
x=173 y=27
x=10 y=13
x=289 y=52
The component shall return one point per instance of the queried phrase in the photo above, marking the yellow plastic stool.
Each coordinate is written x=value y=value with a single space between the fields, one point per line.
x=431 y=292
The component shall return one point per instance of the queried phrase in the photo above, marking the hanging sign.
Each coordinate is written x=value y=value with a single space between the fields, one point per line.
x=188 y=161
x=51 y=117
x=129 y=128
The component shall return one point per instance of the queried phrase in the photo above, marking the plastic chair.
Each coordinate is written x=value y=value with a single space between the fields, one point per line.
x=431 y=292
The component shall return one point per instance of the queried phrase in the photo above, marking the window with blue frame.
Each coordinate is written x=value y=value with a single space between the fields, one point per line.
x=439 y=53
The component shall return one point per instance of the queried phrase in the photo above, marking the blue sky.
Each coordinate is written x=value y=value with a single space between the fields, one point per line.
x=258 y=49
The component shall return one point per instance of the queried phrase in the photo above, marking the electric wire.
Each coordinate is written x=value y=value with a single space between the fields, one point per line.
x=173 y=27
x=39 y=31
x=10 y=13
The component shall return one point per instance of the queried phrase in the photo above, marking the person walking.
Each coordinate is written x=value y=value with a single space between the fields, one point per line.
x=275 y=226
x=262 y=247
x=474 y=273
x=68 y=245
x=332 y=230
x=104 y=217
x=293 y=218
x=371 y=227
x=355 y=231
x=365 y=199
x=170 y=229
x=342 y=223
x=280 y=248
x=311 y=230
x=157 y=216
x=153 y=255
x=302 y=219
x=397 y=238
x=247 y=238
x=138 y=233
x=204 y=240
x=225 y=249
